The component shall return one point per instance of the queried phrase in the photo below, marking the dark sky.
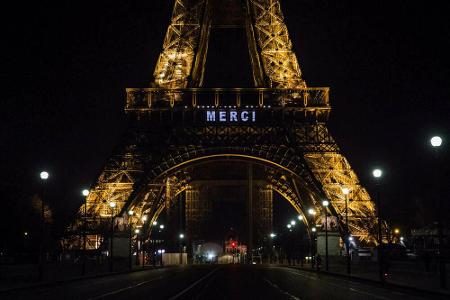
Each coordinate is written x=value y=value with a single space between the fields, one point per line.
x=66 y=65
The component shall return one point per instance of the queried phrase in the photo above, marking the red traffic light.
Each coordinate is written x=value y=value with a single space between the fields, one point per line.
x=233 y=244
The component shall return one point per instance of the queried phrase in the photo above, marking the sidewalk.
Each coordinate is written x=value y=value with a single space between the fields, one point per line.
x=397 y=277
x=26 y=276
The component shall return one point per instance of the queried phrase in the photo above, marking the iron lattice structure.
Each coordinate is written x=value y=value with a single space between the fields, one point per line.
x=168 y=133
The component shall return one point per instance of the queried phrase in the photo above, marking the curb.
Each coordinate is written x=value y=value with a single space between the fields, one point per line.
x=70 y=280
x=377 y=283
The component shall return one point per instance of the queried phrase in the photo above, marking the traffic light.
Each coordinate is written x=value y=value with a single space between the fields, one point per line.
x=233 y=244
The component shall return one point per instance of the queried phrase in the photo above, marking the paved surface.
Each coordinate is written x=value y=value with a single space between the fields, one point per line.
x=217 y=282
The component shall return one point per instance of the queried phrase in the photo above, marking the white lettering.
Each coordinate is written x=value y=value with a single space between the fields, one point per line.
x=210 y=116
x=233 y=116
x=244 y=116
x=253 y=116
x=222 y=116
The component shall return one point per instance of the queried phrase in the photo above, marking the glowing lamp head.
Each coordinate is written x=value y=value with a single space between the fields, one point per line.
x=314 y=229
x=300 y=217
x=293 y=223
x=377 y=173
x=325 y=203
x=272 y=235
x=181 y=236
x=350 y=238
x=161 y=226
x=396 y=231
x=155 y=223
x=85 y=192
x=312 y=212
x=130 y=213
x=44 y=175
x=112 y=204
x=136 y=231
x=144 y=218
x=436 y=141
x=345 y=191
x=288 y=225
x=233 y=244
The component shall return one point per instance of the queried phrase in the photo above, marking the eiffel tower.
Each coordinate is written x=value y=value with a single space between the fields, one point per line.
x=279 y=123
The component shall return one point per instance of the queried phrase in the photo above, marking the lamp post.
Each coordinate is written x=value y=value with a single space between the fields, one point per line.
x=85 y=193
x=112 y=206
x=181 y=236
x=130 y=246
x=136 y=232
x=436 y=143
x=44 y=175
x=325 y=204
x=312 y=213
x=377 y=173
x=346 y=191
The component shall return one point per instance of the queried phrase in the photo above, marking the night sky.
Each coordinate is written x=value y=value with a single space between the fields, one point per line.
x=65 y=67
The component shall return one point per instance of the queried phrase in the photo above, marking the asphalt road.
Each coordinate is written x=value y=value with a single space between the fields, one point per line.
x=217 y=282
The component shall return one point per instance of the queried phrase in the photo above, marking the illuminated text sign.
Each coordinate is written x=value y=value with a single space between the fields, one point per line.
x=231 y=116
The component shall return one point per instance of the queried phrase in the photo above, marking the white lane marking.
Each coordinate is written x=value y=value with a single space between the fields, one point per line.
x=367 y=294
x=280 y=290
x=192 y=285
x=125 y=288
x=340 y=286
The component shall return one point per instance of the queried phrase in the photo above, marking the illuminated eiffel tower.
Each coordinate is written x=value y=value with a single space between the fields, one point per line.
x=279 y=123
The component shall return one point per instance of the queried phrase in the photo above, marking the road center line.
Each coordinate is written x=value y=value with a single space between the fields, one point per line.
x=280 y=290
x=339 y=286
x=125 y=288
x=193 y=285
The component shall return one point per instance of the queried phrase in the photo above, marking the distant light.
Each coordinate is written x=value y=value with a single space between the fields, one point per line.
x=181 y=236
x=44 y=175
x=345 y=191
x=325 y=203
x=396 y=231
x=130 y=212
x=25 y=233
x=288 y=225
x=112 y=204
x=311 y=211
x=436 y=141
x=313 y=229
x=272 y=235
x=155 y=223
x=85 y=192
x=136 y=231
x=161 y=226
x=350 y=238
x=210 y=256
x=377 y=173
x=293 y=223
x=300 y=217
x=401 y=239
x=144 y=218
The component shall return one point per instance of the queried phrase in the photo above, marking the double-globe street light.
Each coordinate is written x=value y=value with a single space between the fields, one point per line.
x=325 y=204
x=346 y=192
x=85 y=194
x=44 y=175
x=436 y=143
x=377 y=173
x=112 y=206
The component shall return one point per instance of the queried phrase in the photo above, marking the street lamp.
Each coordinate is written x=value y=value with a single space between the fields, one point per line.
x=112 y=206
x=436 y=143
x=289 y=226
x=181 y=236
x=161 y=226
x=293 y=223
x=311 y=212
x=44 y=175
x=273 y=235
x=300 y=217
x=377 y=173
x=325 y=203
x=346 y=192
x=85 y=194
x=155 y=223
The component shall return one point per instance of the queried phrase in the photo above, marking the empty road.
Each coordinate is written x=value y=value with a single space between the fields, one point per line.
x=216 y=282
